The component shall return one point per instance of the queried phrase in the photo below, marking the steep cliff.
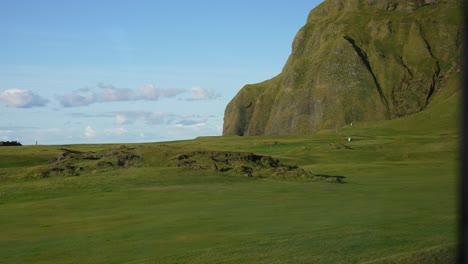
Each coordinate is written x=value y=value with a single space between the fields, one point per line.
x=356 y=60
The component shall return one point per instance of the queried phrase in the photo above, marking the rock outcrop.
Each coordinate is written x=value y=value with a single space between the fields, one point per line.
x=356 y=60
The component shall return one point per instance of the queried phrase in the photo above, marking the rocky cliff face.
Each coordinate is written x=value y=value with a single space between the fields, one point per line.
x=356 y=60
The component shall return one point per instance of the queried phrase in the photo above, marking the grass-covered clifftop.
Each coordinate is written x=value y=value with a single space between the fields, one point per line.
x=356 y=61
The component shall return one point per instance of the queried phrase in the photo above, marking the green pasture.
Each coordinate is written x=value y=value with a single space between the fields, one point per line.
x=398 y=203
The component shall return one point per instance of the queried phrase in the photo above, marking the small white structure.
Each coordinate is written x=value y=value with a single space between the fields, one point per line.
x=349 y=139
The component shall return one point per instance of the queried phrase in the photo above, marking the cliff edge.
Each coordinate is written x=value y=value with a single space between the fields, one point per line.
x=356 y=60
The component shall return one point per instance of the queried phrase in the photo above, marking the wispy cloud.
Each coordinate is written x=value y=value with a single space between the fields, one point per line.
x=6 y=134
x=150 y=118
x=159 y=118
x=89 y=132
x=86 y=115
x=122 y=119
x=109 y=93
x=74 y=100
x=201 y=93
x=22 y=98
x=190 y=129
x=188 y=121
x=147 y=117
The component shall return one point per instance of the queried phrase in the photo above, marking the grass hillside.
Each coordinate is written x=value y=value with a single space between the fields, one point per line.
x=356 y=61
x=131 y=203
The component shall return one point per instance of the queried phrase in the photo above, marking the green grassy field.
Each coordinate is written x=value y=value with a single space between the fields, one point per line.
x=398 y=203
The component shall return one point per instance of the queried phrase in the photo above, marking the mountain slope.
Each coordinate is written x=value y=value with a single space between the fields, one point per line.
x=356 y=60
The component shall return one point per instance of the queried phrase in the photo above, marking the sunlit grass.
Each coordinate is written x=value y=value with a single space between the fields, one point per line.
x=398 y=203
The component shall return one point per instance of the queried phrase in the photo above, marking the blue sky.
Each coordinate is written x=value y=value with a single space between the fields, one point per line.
x=134 y=71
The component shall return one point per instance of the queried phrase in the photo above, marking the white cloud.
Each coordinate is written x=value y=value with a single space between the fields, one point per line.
x=89 y=132
x=200 y=93
x=109 y=93
x=72 y=100
x=148 y=92
x=122 y=119
x=22 y=98
x=161 y=118
x=192 y=121
x=193 y=130
x=151 y=118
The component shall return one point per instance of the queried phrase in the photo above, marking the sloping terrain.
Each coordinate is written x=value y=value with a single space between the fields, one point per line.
x=398 y=203
x=356 y=61
x=235 y=199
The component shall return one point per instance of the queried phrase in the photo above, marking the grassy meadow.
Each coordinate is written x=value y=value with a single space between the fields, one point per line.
x=398 y=203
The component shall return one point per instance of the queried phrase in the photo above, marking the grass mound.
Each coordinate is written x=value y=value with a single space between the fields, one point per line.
x=247 y=164
x=74 y=162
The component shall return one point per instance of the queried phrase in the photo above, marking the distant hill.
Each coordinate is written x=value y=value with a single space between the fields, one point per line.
x=357 y=60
